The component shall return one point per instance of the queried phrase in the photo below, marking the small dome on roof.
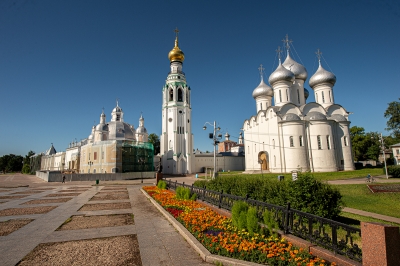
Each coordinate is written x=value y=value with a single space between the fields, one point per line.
x=338 y=117
x=315 y=116
x=322 y=76
x=102 y=127
x=141 y=130
x=281 y=73
x=291 y=117
x=298 y=70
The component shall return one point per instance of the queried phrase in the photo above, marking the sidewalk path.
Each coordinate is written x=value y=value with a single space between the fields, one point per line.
x=373 y=215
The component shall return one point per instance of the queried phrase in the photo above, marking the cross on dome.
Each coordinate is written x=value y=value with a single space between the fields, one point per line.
x=279 y=51
x=319 y=54
x=287 y=42
x=261 y=69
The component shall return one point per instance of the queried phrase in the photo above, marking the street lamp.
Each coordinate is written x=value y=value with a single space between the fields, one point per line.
x=215 y=142
x=384 y=157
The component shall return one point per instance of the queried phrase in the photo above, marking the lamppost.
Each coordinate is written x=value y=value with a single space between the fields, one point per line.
x=90 y=163
x=384 y=157
x=215 y=138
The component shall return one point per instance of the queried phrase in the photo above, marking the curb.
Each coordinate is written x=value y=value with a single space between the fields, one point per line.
x=196 y=245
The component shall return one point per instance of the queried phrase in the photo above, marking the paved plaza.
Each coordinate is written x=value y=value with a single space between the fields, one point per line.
x=159 y=242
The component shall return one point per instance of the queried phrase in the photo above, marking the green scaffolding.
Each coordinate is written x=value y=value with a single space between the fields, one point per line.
x=137 y=157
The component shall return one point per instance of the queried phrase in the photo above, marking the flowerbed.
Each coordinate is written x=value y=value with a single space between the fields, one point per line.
x=220 y=237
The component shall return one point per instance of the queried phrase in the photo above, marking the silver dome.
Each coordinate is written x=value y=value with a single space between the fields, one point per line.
x=102 y=127
x=117 y=109
x=281 y=73
x=315 y=116
x=298 y=70
x=141 y=130
x=306 y=93
x=322 y=76
x=338 y=117
x=263 y=90
x=118 y=130
x=291 y=117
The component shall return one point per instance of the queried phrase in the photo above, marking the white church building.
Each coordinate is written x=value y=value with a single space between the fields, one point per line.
x=290 y=134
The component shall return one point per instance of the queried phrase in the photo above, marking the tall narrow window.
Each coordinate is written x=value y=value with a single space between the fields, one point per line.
x=280 y=96
x=345 y=140
x=323 y=97
x=260 y=106
x=328 y=143
x=319 y=142
x=273 y=143
x=330 y=98
x=180 y=95
x=298 y=96
x=102 y=155
x=95 y=156
x=287 y=95
x=187 y=96
x=301 y=141
x=316 y=97
x=171 y=94
x=274 y=161
x=291 y=141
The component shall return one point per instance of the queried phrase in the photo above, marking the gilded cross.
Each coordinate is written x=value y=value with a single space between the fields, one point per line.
x=287 y=42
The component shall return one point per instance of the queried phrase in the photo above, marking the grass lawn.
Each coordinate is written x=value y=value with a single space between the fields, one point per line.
x=354 y=219
x=361 y=198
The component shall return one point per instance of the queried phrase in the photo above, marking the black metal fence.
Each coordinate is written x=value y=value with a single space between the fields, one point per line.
x=332 y=235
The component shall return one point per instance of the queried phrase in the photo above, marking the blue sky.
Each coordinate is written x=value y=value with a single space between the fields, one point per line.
x=61 y=62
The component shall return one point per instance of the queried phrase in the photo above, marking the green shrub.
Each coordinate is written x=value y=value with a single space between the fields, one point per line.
x=306 y=194
x=393 y=170
x=200 y=183
x=271 y=224
x=26 y=169
x=184 y=194
x=238 y=208
x=252 y=220
x=162 y=184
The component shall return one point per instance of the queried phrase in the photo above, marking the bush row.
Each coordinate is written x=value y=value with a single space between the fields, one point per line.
x=393 y=170
x=305 y=194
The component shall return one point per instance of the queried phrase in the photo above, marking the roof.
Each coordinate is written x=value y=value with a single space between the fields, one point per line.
x=396 y=145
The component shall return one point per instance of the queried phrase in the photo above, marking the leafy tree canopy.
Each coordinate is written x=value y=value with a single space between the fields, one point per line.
x=155 y=140
x=393 y=115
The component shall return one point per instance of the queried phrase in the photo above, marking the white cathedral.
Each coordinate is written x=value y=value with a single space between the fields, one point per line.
x=294 y=135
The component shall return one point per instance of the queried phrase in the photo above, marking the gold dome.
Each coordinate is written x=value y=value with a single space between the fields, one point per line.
x=176 y=53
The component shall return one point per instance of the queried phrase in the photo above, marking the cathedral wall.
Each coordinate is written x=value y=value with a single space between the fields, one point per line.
x=295 y=152
x=322 y=156
x=224 y=163
x=343 y=141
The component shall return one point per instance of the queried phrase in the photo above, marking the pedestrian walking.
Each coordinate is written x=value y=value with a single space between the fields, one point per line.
x=63 y=180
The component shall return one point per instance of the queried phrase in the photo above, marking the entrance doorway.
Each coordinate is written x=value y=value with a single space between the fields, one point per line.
x=263 y=159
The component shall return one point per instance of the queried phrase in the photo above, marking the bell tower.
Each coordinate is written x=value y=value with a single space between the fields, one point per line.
x=176 y=141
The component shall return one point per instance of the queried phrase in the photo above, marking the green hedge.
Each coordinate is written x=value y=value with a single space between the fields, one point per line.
x=306 y=194
x=393 y=170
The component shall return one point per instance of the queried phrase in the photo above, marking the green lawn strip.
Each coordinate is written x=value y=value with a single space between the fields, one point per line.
x=355 y=219
x=360 y=197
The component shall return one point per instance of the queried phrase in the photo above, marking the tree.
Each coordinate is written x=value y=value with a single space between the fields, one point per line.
x=393 y=114
x=365 y=146
x=26 y=169
x=11 y=163
x=155 y=140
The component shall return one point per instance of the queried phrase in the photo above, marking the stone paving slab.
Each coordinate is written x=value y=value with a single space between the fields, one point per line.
x=70 y=235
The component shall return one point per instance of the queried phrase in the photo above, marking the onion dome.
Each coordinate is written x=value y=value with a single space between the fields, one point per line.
x=298 y=70
x=322 y=76
x=281 y=74
x=306 y=93
x=176 y=53
x=117 y=109
x=262 y=90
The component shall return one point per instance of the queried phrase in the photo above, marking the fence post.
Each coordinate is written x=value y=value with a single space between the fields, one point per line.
x=191 y=190
x=220 y=199
x=287 y=217
x=176 y=182
x=204 y=193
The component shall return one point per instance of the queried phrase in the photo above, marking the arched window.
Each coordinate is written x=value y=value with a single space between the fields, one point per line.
x=180 y=95
x=171 y=94
x=298 y=96
x=301 y=141
x=280 y=96
x=287 y=95
x=273 y=143
x=319 y=142
x=323 y=97
x=291 y=141
x=330 y=98
x=274 y=161
x=316 y=97
x=345 y=140
x=328 y=143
